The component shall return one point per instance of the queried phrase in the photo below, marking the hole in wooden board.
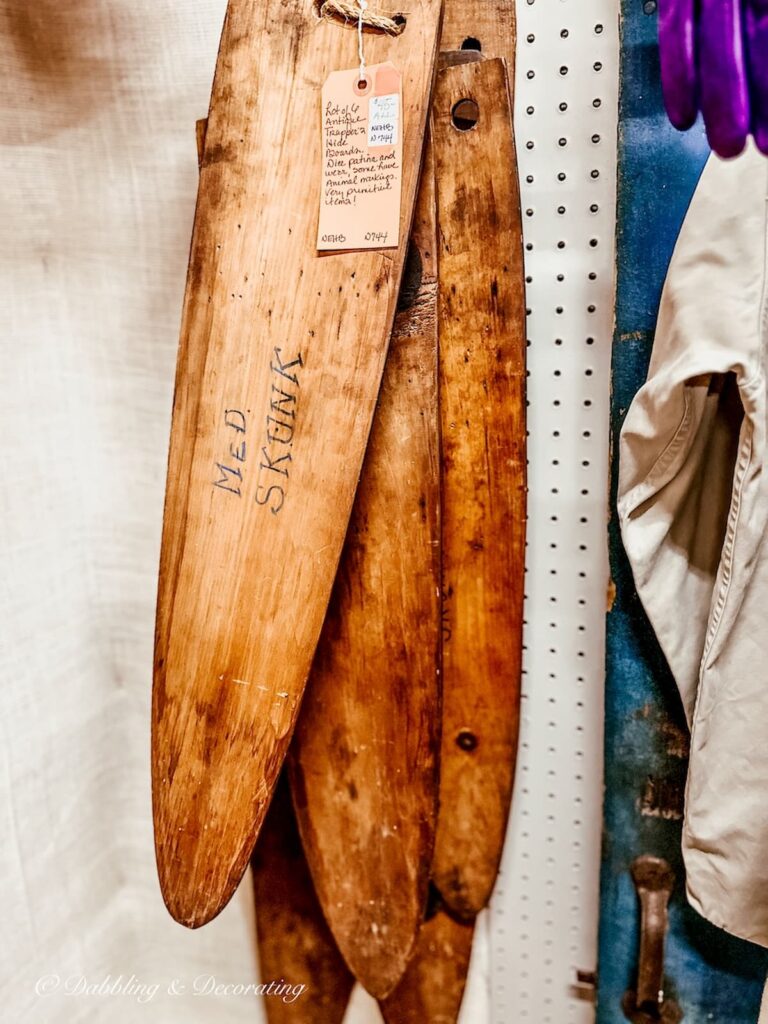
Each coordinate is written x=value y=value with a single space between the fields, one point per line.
x=470 y=43
x=467 y=740
x=465 y=115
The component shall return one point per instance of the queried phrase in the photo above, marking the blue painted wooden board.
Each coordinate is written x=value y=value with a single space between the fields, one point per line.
x=714 y=978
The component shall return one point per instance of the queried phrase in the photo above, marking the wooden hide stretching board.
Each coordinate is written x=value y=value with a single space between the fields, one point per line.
x=482 y=398
x=295 y=943
x=432 y=988
x=364 y=758
x=243 y=588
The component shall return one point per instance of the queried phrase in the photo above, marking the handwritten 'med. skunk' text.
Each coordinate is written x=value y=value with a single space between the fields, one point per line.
x=276 y=454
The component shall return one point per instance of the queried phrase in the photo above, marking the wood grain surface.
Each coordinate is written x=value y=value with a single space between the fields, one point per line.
x=295 y=944
x=432 y=988
x=482 y=398
x=485 y=25
x=364 y=758
x=279 y=366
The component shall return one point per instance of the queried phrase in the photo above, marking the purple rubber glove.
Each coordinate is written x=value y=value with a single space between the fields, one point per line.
x=756 y=13
x=723 y=76
x=677 y=50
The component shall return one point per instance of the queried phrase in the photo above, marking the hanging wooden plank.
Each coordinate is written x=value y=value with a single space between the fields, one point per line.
x=299 y=959
x=433 y=986
x=256 y=511
x=482 y=397
x=296 y=947
x=364 y=757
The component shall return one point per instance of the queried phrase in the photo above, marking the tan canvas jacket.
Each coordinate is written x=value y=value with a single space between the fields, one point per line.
x=693 y=507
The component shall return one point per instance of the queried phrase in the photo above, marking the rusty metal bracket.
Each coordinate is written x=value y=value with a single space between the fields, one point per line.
x=646 y=1004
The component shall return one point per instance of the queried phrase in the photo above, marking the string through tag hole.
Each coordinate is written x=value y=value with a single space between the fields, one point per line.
x=363 y=7
x=347 y=13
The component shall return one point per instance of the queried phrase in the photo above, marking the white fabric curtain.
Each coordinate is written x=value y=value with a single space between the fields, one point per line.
x=98 y=177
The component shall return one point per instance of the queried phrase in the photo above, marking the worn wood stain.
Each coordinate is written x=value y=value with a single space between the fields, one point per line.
x=279 y=366
x=482 y=400
x=364 y=759
x=295 y=943
x=432 y=988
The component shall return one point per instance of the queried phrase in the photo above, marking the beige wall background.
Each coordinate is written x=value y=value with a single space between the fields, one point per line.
x=98 y=178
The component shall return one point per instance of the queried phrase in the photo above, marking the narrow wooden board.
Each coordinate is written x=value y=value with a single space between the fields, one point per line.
x=270 y=329
x=364 y=758
x=432 y=988
x=482 y=397
x=295 y=944
x=296 y=947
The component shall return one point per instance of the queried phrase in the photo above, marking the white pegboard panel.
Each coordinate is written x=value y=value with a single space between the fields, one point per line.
x=541 y=929
x=543 y=919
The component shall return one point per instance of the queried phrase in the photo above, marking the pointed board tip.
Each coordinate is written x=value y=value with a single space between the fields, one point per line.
x=381 y=975
x=432 y=988
x=192 y=903
x=465 y=890
x=213 y=774
x=374 y=913
x=199 y=869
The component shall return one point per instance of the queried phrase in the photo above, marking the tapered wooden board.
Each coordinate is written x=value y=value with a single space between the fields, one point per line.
x=279 y=365
x=295 y=944
x=432 y=988
x=364 y=758
x=296 y=947
x=482 y=398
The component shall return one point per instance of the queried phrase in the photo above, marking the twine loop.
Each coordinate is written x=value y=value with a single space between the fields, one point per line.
x=351 y=10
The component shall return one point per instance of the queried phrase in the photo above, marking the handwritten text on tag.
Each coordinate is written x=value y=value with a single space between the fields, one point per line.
x=362 y=165
x=383 y=118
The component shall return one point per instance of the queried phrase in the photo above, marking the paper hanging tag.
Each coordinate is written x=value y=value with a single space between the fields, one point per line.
x=362 y=165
